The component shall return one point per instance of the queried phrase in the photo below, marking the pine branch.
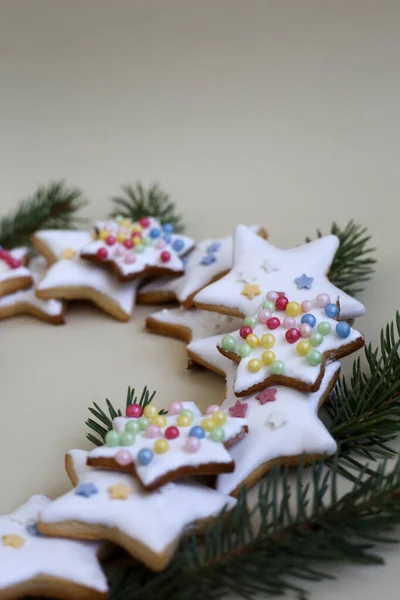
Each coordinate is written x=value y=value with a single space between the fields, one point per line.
x=137 y=202
x=104 y=418
x=353 y=264
x=51 y=207
x=275 y=547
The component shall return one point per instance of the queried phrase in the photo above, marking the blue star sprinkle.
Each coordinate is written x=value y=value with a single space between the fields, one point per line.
x=304 y=282
x=86 y=490
x=208 y=260
x=213 y=247
x=32 y=529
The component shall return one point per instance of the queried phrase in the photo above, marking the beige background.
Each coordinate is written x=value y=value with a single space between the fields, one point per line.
x=280 y=112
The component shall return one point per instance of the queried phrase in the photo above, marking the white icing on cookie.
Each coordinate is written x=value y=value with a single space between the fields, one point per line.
x=176 y=457
x=202 y=323
x=27 y=298
x=87 y=280
x=130 y=262
x=271 y=268
x=7 y=273
x=209 y=259
x=25 y=555
x=156 y=520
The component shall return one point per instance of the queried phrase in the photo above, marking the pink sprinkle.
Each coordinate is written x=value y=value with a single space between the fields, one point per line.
x=272 y=296
x=264 y=315
x=305 y=330
x=323 y=300
x=175 y=408
x=123 y=458
x=239 y=410
x=192 y=444
x=289 y=323
x=130 y=258
x=153 y=431
x=266 y=395
x=212 y=409
x=159 y=244
x=306 y=306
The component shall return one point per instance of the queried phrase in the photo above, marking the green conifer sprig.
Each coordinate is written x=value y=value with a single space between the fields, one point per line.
x=137 y=202
x=53 y=206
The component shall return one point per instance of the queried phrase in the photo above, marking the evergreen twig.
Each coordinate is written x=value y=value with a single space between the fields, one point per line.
x=51 y=207
x=353 y=263
x=137 y=202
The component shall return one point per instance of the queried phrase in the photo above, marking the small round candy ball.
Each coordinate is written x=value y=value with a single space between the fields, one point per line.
x=252 y=340
x=139 y=248
x=264 y=315
x=150 y=411
x=322 y=300
x=135 y=227
x=178 y=245
x=160 y=244
x=316 y=338
x=228 y=343
x=171 y=433
x=309 y=319
x=14 y=263
x=289 y=323
x=273 y=323
x=112 y=438
x=268 y=305
x=293 y=309
x=136 y=238
x=197 y=432
x=272 y=296
x=277 y=367
x=110 y=240
x=217 y=434
x=132 y=427
x=314 y=357
x=134 y=411
x=303 y=347
x=102 y=253
x=192 y=444
x=144 y=221
x=168 y=228
x=143 y=422
x=103 y=235
x=165 y=256
x=175 y=408
x=281 y=303
x=159 y=420
x=153 y=431
x=128 y=244
x=343 y=329
x=161 y=446
x=305 y=330
x=250 y=322
x=268 y=357
x=119 y=251
x=155 y=233
x=123 y=458
x=267 y=341
x=129 y=258
x=331 y=310
x=245 y=331
x=212 y=409
x=245 y=350
x=254 y=365
x=208 y=424
x=145 y=456
x=183 y=421
x=187 y=413
x=306 y=306
x=324 y=328
x=292 y=335
x=219 y=417
x=127 y=438
x=147 y=241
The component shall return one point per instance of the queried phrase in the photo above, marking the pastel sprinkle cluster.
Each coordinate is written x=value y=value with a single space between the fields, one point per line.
x=8 y=258
x=210 y=256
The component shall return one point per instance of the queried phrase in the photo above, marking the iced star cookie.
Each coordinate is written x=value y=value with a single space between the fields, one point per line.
x=258 y=267
x=14 y=275
x=210 y=260
x=112 y=506
x=25 y=302
x=288 y=343
x=71 y=278
x=188 y=325
x=158 y=449
x=34 y=565
x=137 y=248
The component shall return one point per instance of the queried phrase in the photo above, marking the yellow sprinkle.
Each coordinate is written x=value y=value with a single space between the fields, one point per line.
x=119 y=491
x=12 y=540
x=68 y=253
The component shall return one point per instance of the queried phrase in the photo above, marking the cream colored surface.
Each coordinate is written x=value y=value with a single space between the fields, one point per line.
x=282 y=112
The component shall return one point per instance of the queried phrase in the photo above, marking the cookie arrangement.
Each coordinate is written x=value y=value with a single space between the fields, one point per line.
x=266 y=319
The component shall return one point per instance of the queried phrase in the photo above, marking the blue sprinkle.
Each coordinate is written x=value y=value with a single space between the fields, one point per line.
x=214 y=247
x=86 y=490
x=197 y=431
x=32 y=529
x=310 y=319
x=331 y=310
x=145 y=456
x=343 y=329
x=178 y=245
x=168 y=228
x=155 y=233
x=185 y=261
x=168 y=238
x=208 y=260
x=304 y=282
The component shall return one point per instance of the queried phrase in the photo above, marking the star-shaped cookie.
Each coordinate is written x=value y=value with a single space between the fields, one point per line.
x=71 y=278
x=147 y=525
x=272 y=268
x=210 y=260
x=14 y=275
x=25 y=302
x=31 y=564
